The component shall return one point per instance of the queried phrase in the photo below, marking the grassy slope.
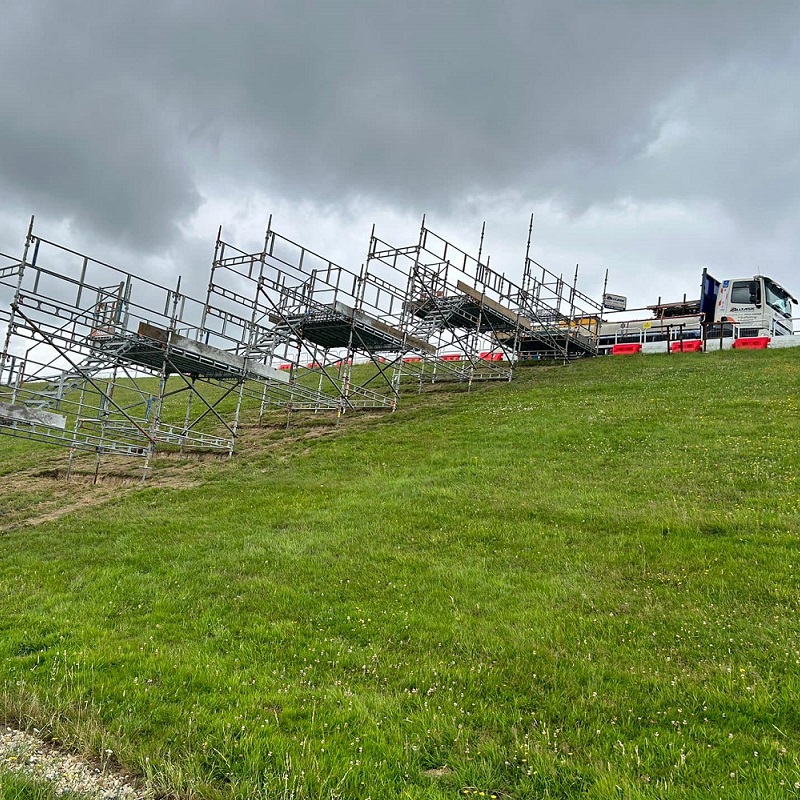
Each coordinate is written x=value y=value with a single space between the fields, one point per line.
x=584 y=582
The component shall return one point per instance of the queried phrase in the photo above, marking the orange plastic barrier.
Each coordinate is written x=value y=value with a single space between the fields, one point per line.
x=687 y=346
x=626 y=349
x=752 y=343
x=412 y=360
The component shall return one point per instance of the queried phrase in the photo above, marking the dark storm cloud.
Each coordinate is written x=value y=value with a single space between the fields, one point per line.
x=121 y=115
x=83 y=136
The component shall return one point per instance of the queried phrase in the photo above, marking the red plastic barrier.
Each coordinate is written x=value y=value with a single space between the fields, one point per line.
x=626 y=349
x=485 y=356
x=687 y=346
x=752 y=343
x=285 y=367
x=451 y=357
x=497 y=357
x=412 y=360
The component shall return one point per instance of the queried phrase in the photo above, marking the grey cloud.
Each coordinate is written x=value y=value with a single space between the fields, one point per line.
x=85 y=140
x=421 y=104
x=124 y=116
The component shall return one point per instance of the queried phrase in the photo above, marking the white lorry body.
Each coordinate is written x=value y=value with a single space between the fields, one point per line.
x=726 y=310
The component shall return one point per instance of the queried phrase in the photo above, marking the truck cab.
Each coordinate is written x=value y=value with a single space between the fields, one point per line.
x=757 y=306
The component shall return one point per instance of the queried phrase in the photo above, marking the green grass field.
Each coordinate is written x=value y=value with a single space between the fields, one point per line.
x=18 y=787
x=584 y=583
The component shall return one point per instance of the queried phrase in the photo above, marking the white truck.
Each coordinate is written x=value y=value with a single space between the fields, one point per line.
x=727 y=310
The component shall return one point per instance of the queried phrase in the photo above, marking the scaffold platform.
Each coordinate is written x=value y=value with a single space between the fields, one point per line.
x=469 y=310
x=341 y=326
x=153 y=347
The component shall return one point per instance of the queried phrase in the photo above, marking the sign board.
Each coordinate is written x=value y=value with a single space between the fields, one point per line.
x=10 y=414
x=616 y=302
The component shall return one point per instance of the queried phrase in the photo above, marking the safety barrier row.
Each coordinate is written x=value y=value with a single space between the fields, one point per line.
x=695 y=346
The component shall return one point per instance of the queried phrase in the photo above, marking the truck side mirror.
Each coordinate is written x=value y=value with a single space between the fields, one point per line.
x=755 y=292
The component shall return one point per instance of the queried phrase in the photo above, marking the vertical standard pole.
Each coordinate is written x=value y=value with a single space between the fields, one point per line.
x=96 y=464
x=320 y=365
x=148 y=455
x=5 y=354
x=412 y=282
x=176 y=296
x=526 y=284
x=252 y=337
x=214 y=264
x=600 y=315
x=572 y=333
x=263 y=406
x=235 y=426
x=559 y=292
x=159 y=405
x=78 y=413
x=525 y=274
x=69 y=462
x=103 y=417
x=292 y=387
x=187 y=416
x=345 y=369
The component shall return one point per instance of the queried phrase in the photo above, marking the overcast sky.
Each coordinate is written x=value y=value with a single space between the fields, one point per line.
x=649 y=138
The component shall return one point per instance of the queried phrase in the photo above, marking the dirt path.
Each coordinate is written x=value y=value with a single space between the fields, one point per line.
x=43 y=494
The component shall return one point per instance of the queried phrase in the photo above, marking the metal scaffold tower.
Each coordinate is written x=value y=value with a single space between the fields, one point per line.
x=470 y=315
x=98 y=359
x=563 y=321
x=329 y=327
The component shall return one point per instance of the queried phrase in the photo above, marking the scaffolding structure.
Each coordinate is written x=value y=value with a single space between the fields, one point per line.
x=98 y=359
x=330 y=327
x=564 y=322
x=470 y=315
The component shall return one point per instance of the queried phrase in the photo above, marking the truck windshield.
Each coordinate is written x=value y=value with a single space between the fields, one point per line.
x=778 y=299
